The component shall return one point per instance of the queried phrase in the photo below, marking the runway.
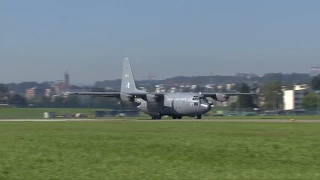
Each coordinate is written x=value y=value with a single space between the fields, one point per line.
x=162 y=120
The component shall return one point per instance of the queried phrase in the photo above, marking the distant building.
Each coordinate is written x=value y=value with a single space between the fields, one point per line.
x=247 y=75
x=298 y=87
x=48 y=93
x=219 y=86
x=35 y=91
x=314 y=71
x=62 y=85
x=292 y=99
x=66 y=81
x=58 y=87
x=229 y=86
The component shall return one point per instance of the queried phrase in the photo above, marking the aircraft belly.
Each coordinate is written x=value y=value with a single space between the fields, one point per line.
x=154 y=108
x=180 y=107
x=172 y=107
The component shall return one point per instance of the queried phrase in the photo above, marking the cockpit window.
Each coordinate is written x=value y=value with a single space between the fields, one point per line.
x=204 y=99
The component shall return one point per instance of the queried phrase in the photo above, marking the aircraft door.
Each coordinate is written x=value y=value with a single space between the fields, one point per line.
x=169 y=103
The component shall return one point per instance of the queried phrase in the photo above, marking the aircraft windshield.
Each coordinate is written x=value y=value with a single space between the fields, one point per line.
x=203 y=99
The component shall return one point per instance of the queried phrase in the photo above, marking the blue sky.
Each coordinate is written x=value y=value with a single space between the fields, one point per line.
x=41 y=39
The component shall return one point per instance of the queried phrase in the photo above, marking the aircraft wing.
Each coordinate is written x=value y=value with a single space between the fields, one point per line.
x=222 y=97
x=236 y=94
x=96 y=94
x=117 y=94
x=226 y=94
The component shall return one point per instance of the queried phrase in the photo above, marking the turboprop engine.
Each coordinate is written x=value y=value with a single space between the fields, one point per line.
x=128 y=101
x=129 y=104
x=221 y=97
x=153 y=98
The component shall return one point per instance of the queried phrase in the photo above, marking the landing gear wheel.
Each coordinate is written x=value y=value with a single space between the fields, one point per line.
x=198 y=117
x=176 y=117
x=156 y=117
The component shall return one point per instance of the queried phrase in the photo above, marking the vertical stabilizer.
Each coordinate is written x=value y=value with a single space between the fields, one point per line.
x=128 y=84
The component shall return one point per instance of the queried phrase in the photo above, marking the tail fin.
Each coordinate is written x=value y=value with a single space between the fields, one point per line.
x=128 y=84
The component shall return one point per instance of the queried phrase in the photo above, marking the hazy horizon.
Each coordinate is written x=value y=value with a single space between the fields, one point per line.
x=42 y=39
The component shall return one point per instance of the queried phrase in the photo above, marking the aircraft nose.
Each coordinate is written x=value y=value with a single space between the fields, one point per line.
x=209 y=106
x=206 y=106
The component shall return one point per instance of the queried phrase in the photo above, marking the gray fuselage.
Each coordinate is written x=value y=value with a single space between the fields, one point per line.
x=177 y=104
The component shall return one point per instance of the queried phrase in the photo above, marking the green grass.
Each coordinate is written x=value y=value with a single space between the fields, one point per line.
x=297 y=117
x=159 y=150
x=28 y=113
x=21 y=113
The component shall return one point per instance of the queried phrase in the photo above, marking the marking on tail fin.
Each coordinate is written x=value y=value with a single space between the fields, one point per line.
x=128 y=84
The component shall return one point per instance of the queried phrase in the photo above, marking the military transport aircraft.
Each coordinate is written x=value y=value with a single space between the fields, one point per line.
x=156 y=104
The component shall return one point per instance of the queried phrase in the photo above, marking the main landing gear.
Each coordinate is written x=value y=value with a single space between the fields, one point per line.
x=176 y=117
x=156 y=117
x=173 y=117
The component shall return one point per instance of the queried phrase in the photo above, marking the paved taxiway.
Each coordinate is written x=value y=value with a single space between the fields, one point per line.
x=162 y=120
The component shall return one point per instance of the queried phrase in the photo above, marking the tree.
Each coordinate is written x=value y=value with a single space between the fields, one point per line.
x=245 y=101
x=273 y=96
x=46 y=102
x=310 y=101
x=72 y=102
x=315 y=83
x=58 y=102
x=3 y=89
x=18 y=100
x=36 y=101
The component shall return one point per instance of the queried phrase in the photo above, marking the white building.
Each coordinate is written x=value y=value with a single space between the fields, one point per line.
x=298 y=87
x=292 y=99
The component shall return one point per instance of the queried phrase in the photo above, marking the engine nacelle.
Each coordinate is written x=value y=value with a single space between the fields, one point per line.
x=220 y=97
x=129 y=103
x=126 y=97
x=153 y=98
x=144 y=107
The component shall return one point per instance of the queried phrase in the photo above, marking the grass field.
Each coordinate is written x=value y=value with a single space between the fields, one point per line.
x=22 y=113
x=36 y=113
x=159 y=150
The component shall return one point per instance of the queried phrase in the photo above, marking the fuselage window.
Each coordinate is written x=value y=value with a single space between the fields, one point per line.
x=194 y=104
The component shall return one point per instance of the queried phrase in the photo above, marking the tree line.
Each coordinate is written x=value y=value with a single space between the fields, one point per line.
x=17 y=100
x=271 y=95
